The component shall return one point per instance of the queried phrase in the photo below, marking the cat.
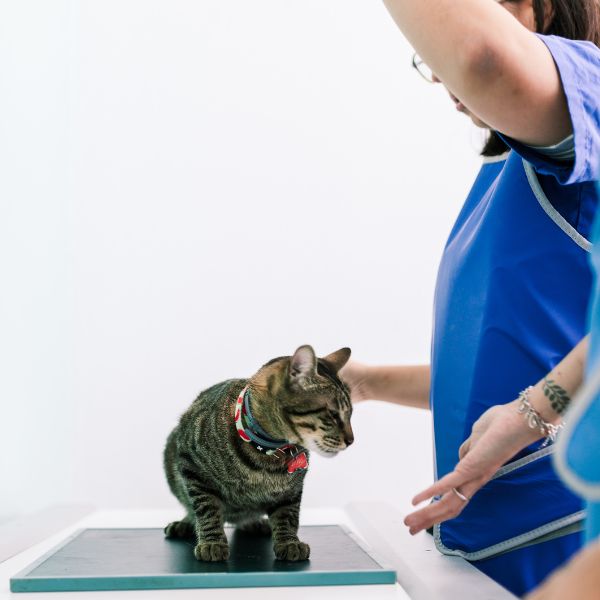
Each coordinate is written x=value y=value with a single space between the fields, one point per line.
x=240 y=452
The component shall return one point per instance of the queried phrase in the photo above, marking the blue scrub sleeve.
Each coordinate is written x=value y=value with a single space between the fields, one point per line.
x=578 y=64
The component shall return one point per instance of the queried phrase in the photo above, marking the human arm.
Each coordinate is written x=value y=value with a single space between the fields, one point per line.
x=514 y=87
x=496 y=437
x=580 y=578
x=404 y=385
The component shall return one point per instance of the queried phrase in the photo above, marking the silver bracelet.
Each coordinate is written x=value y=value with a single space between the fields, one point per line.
x=535 y=420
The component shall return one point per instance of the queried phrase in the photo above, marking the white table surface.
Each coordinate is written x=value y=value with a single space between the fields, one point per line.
x=422 y=571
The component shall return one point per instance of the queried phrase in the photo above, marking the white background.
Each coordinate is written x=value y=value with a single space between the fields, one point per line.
x=190 y=188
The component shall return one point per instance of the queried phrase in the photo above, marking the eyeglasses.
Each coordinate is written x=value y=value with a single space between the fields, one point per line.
x=423 y=70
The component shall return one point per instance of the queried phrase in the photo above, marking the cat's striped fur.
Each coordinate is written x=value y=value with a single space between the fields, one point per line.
x=219 y=478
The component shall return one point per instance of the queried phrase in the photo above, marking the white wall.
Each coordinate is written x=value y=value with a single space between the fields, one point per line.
x=190 y=188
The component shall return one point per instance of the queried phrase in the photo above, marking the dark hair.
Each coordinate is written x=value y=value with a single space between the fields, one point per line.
x=572 y=19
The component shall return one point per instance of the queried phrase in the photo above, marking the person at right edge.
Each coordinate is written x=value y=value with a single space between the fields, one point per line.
x=514 y=281
x=498 y=434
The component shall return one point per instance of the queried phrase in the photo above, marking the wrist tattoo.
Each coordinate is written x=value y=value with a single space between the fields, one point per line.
x=559 y=399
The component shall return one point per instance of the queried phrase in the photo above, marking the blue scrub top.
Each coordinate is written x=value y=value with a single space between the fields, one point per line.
x=511 y=301
x=578 y=451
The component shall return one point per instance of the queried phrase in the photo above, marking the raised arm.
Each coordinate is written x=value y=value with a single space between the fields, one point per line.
x=499 y=69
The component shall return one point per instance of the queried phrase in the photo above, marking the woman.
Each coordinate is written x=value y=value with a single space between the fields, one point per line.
x=498 y=435
x=514 y=280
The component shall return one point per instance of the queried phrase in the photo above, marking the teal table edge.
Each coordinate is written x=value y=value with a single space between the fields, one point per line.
x=197 y=581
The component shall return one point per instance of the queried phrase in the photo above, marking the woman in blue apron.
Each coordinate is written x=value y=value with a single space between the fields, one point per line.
x=498 y=436
x=514 y=281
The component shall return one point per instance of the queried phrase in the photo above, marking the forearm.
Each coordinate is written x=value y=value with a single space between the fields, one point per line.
x=580 y=578
x=404 y=385
x=552 y=395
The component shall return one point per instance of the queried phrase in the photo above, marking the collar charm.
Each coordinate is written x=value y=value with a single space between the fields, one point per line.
x=298 y=463
x=250 y=431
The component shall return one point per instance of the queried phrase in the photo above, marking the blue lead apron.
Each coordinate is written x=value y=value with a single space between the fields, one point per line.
x=510 y=303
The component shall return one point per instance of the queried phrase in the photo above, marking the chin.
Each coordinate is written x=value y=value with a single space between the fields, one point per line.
x=314 y=447
x=328 y=453
x=478 y=122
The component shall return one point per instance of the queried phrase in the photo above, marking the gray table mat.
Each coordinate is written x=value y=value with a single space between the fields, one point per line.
x=105 y=559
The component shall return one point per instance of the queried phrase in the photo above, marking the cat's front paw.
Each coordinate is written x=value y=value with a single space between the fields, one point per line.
x=211 y=551
x=295 y=550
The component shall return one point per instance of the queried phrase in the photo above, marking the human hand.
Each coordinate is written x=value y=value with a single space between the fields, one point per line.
x=580 y=578
x=354 y=375
x=496 y=437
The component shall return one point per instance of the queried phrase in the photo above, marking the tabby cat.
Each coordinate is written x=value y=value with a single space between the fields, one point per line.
x=240 y=452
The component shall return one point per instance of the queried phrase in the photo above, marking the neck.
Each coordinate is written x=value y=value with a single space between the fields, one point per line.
x=247 y=422
x=294 y=458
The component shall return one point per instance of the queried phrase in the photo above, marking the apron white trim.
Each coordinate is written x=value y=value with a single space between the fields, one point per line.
x=525 y=539
x=512 y=466
x=579 y=405
x=541 y=534
x=494 y=159
x=546 y=205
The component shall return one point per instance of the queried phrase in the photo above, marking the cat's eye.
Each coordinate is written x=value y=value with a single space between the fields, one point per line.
x=304 y=413
x=335 y=415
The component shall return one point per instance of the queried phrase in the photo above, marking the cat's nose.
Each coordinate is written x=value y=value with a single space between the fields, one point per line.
x=348 y=437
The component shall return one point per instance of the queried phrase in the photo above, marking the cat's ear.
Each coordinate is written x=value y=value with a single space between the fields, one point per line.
x=336 y=360
x=303 y=364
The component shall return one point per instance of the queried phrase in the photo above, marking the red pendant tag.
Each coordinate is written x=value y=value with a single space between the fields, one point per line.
x=298 y=462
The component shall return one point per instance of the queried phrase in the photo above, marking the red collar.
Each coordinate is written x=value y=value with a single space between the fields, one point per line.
x=249 y=430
